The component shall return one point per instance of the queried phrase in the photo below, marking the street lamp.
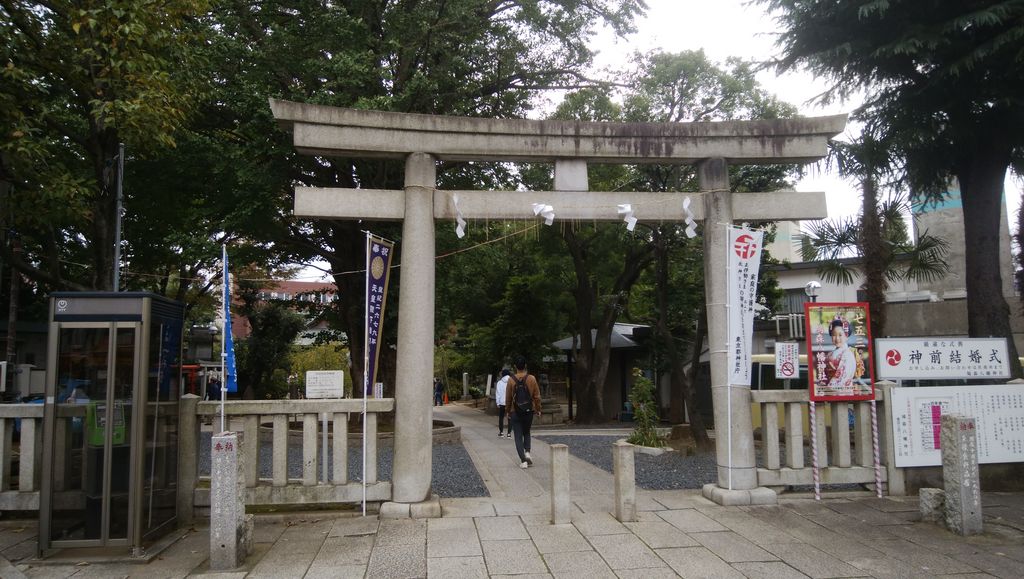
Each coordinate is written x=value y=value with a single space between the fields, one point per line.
x=811 y=289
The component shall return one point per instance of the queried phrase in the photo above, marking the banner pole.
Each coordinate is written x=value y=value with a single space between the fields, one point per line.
x=224 y=336
x=728 y=372
x=366 y=359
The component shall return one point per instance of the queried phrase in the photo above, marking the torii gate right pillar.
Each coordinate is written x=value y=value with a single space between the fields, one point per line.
x=734 y=443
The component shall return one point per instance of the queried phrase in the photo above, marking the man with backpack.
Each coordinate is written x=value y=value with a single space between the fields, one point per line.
x=522 y=399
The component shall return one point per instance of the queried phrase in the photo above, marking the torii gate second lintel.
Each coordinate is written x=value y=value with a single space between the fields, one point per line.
x=424 y=139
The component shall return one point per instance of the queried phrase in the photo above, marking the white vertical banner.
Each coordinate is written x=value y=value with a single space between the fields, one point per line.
x=744 y=266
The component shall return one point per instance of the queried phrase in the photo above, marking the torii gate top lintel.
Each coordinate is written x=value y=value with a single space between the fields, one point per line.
x=335 y=131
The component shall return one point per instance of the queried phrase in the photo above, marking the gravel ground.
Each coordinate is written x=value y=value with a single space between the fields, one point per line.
x=453 y=472
x=665 y=472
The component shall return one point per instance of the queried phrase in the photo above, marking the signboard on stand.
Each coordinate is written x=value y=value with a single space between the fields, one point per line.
x=998 y=412
x=839 y=351
x=325 y=384
x=942 y=358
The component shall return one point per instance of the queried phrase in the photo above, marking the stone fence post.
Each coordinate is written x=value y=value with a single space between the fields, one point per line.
x=188 y=457
x=960 y=474
x=561 y=505
x=623 y=459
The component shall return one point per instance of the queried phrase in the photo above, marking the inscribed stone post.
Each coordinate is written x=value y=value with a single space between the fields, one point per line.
x=960 y=474
x=230 y=527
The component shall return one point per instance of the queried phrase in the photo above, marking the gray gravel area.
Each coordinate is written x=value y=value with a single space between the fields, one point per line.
x=666 y=472
x=453 y=476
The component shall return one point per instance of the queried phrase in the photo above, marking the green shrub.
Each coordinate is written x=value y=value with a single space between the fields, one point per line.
x=645 y=412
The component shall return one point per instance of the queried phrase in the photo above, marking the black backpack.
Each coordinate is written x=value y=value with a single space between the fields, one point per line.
x=521 y=399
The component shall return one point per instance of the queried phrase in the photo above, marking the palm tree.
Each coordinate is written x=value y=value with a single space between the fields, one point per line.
x=878 y=235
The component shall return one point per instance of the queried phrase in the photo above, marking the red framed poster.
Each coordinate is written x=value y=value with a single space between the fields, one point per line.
x=839 y=365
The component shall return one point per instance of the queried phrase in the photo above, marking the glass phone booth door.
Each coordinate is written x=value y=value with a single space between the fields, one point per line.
x=90 y=499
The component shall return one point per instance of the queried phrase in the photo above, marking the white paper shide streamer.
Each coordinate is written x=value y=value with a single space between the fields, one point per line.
x=545 y=211
x=626 y=211
x=691 y=225
x=460 y=223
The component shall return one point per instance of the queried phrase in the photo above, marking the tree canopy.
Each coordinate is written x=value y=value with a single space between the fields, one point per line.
x=942 y=83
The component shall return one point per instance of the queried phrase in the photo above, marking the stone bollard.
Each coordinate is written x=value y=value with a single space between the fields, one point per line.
x=625 y=481
x=960 y=474
x=230 y=527
x=561 y=504
x=465 y=386
x=932 y=503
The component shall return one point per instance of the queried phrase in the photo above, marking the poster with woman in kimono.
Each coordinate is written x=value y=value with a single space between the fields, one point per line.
x=839 y=351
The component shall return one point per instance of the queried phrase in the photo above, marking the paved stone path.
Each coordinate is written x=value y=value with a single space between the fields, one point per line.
x=678 y=533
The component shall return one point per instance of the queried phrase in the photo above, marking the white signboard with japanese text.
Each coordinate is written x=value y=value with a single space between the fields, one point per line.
x=744 y=266
x=787 y=360
x=325 y=384
x=941 y=358
x=998 y=412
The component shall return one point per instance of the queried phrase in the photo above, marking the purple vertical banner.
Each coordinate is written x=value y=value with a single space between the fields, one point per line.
x=378 y=266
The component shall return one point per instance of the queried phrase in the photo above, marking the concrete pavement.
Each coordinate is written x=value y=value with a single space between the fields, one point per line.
x=679 y=533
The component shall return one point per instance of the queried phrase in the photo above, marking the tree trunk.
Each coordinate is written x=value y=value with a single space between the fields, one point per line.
x=875 y=258
x=697 y=426
x=981 y=174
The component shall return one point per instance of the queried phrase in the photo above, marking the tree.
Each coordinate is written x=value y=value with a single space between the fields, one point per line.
x=78 y=79
x=878 y=235
x=462 y=57
x=263 y=358
x=942 y=83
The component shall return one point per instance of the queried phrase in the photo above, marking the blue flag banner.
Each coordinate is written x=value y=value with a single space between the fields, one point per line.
x=378 y=266
x=230 y=380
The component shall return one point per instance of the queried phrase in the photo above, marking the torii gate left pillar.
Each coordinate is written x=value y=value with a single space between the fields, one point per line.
x=422 y=139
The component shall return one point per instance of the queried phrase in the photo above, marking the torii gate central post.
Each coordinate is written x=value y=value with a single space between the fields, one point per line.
x=424 y=139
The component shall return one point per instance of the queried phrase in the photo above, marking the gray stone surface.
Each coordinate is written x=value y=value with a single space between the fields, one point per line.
x=697 y=562
x=457 y=567
x=932 y=504
x=732 y=548
x=813 y=562
x=512 y=557
x=659 y=535
x=625 y=481
x=501 y=528
x=587 y=564
x=591 y=524
x=690 y=521
x=398 y=560
x=561 y=502
x=454 y=537
x=557 y=538
x=768 y=570
x=625 y=552
x=231 y=532
x=411 y=472
x=960 y=475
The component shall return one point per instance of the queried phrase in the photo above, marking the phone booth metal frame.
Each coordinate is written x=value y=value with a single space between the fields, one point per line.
x=109 y=472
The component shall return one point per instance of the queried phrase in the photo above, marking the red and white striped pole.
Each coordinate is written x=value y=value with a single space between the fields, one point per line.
x=874 y=446
x=814 y=451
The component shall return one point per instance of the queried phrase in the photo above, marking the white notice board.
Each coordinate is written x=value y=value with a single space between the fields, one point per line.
x=998 y=412
x=325 y=384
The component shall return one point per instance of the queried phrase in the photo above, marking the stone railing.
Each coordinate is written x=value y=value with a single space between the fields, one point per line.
x=839 y=462
x=278 y=489
x=28 y=459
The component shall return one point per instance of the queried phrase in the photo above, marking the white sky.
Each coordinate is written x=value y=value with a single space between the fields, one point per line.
x=725 y=28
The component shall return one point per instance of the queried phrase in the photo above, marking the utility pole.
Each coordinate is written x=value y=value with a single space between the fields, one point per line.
x=117 y=221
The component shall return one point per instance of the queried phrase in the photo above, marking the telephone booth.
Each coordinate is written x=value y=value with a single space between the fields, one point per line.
x=110 y=427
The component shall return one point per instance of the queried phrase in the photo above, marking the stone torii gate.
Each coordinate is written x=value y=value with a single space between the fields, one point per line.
x=421 y=140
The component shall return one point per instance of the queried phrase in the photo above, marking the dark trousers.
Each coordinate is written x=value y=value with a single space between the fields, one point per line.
x=438 y=399
x=521 y=432
x=501 y=420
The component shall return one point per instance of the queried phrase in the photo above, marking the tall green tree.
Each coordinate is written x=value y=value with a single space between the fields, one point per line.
x=879 y=235
x=942 y=83
x=78 y=78
x=456 y=57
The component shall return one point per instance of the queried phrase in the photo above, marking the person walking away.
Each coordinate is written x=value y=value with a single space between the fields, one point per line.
x=522 y=397
x=499 y=399
x=438 y=392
